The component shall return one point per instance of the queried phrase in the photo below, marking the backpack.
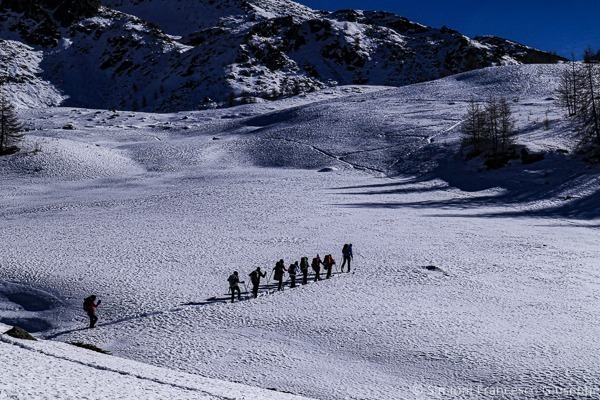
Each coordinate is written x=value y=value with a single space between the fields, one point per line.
x=315 y=264
x=255 y=276
x=304 y=263
x=87 y=303
x=345 y=250
x=233 y=280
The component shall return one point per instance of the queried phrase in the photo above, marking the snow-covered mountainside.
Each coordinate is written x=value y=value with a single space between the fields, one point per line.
x=184 y=17
x=23 y=83
x=465 y=283
x=158 y=55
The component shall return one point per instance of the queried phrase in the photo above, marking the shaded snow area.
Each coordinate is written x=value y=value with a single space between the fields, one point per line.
x=465 y=283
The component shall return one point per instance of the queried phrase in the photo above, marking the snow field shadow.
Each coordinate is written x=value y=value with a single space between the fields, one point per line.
x=28 y=308
x=542 y=189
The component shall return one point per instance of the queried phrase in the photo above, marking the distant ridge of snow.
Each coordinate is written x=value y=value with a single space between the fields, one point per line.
x=182 y=17
x=162 y=56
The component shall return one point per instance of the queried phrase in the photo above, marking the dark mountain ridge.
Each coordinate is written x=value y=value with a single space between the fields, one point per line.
x=186 y=54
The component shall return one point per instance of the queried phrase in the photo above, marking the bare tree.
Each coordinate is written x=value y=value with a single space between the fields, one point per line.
x=10 y=127
x=590 y=117
x=489 y=128
x=573 y=83
x=567 y=90
x=472 y=125
x=493 y=116
x=579 y=94
x=506 y=124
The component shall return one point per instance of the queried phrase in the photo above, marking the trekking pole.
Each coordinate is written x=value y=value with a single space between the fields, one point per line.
x=269 y=278
x=246 y=293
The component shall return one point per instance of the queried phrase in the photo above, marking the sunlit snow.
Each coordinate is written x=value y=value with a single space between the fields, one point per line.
x=465 y=283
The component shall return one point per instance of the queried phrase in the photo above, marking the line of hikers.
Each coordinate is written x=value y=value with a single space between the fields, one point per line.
x=90 y=304
x=293 y=270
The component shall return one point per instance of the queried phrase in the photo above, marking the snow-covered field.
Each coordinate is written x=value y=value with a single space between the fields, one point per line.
x=152 y=212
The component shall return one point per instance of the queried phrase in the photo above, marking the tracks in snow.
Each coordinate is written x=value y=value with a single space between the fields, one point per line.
x=340 y=158
x=268 y=289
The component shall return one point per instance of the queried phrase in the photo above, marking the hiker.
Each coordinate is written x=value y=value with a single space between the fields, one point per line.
x=255 y=279
x=328 y=264
x=347 y=254
x=316 y=266
x=234 y=281
x=292 y=270
x=89 y=305
x=279 y=273
x=304 y=269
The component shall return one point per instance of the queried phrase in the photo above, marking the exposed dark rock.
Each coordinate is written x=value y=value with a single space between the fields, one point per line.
x=89 y=347
x=19 y=333
x=530 y=158
x=41 y=19
x=499 y=159
x=520 y=52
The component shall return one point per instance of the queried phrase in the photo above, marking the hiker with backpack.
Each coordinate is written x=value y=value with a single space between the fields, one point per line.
x=279 y=272
x=292 y=271
x=234 y=282
x=255 y=279
x=304 y=269
x=316 y=266
x=328 y=264
x=347 y=254
x=89 y=306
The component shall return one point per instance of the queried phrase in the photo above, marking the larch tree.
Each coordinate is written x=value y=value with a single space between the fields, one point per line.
x=579 y=95
x=10 y=127
x=490 y=127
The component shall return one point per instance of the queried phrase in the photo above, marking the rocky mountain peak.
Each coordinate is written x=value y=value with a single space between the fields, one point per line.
x=165 y=55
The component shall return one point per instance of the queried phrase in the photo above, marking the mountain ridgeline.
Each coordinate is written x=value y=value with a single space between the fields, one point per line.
x=169 y=55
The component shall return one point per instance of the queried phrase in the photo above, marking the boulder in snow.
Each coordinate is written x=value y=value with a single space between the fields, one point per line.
x=19 y=333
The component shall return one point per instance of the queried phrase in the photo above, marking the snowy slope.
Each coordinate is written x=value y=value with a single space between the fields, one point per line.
x=152 y=212
x=51 y=370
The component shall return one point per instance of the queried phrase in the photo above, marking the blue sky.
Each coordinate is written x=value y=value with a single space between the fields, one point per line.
x=552 y=25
